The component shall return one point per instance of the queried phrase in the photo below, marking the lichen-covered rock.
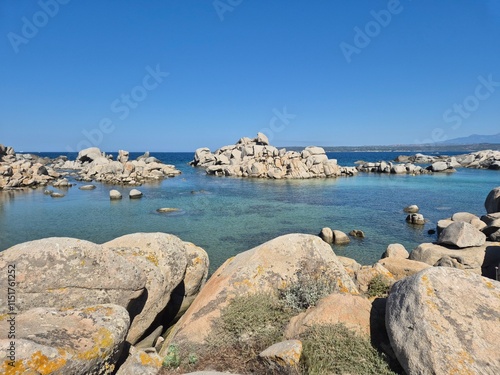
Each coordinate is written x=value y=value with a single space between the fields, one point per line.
x=64 y=272
x=64 y=342
x=366 y=274
x=445 y=321
x=162 y=259
x=267 y=267
x=401 y=268
x=350 y=310
x=284 y=355
x=141 y=363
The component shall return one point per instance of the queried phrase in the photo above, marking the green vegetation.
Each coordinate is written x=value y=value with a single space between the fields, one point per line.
x=252 y=323
x=378 y=287
x=173 y=358
x=334 y=349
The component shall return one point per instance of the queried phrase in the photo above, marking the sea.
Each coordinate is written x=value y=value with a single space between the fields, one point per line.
x=226 y=215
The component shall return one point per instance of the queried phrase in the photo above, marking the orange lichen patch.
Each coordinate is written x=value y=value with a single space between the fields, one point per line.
x=103 y=340
x=153 y=259
x=3 y=317
x=245 y=282
x=197 y=261
x=147 y=360
x=13 y=368
x=462 y=364
x=108 y=311
x=430 y=290
x=258 y=271
x=43 y=364
x=488 y=284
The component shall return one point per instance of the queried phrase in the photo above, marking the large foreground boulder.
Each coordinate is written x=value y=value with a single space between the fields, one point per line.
x=162 y=259
x=53 y=341
x=445 y=321
x=69 y=273
x=267 y=267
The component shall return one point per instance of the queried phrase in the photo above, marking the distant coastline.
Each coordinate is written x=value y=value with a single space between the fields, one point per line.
x=428 y=148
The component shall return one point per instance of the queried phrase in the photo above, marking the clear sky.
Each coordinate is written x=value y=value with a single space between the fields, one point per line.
x=175 y=75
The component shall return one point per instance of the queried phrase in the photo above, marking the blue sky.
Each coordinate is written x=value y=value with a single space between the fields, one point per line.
x=175 y=75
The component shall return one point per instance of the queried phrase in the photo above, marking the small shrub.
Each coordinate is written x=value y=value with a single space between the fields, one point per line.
x=247 y=326
x=334 y=349
x=254 y=317
x=192 y=359
x=309 y=288
x=378 y=287
x=173 y=358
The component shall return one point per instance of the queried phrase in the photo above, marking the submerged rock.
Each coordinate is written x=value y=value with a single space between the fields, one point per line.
x=135 y=194
x=115 y=195
x=416 y=219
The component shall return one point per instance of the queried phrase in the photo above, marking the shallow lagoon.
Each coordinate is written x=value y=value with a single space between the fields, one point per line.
x=228 y=215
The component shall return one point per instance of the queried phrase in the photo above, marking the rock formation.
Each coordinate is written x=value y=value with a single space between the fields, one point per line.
x=24 y=170
x=256 y=158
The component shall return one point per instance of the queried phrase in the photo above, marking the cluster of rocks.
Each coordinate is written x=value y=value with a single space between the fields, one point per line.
x=406 y=168
x=466 y=241
x=78 y=306
x=337 y=237
x=256 y=158
x=24 y=170
x=92 y=164
x=485 y=159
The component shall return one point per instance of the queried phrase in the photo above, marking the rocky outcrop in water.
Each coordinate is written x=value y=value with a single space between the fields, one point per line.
x=485 y=159
x=256 y=158
x=94 y=165
x=24 y=170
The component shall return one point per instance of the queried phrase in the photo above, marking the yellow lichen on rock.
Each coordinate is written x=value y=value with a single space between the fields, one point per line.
x=43 y=364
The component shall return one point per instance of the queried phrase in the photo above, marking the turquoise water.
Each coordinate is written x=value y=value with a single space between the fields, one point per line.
x=227 y=215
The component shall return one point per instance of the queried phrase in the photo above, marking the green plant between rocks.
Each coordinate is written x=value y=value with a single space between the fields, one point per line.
x=307 y=290
x=334 y=349
x=378 y=287
x=173 y=358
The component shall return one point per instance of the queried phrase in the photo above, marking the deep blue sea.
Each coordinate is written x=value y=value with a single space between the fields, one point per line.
x=228 y=215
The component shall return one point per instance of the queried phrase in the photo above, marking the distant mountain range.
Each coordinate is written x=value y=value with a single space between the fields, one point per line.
x=473 y=139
